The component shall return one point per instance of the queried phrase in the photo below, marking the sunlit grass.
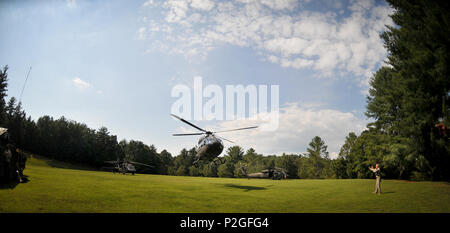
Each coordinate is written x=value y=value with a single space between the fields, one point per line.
x=53 y=189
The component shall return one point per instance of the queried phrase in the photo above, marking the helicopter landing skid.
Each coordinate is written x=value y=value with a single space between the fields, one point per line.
x=197 y=163
x=218 y=159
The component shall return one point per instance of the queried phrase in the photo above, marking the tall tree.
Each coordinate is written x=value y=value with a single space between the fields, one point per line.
x=166 y=161
x=411 y=96
x=107 y=147
x=3 y=90
x=235 y=153
x=343 y=164
x=318 y=159
x=288 y=163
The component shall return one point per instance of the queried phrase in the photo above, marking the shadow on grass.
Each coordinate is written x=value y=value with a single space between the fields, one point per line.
x=13 y=184
x=384 y=193
x=10 y=185
x=244 y=187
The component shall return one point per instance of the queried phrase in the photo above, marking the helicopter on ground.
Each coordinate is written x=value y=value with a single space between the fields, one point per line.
x=270 y=173
x=210 y=145
x=124 y=166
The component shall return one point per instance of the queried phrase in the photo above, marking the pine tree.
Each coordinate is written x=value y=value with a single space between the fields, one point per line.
x=3 y=90
x=411 y=96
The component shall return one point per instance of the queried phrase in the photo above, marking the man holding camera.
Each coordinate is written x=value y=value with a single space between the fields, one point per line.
x=377 y=172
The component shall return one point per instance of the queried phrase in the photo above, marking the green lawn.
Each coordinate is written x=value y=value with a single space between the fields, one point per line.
x=55 y=189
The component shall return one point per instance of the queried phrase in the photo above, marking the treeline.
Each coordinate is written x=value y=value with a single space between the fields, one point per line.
x=408 y=102
x=315 y=164
x=70 y=141
x=408 y=99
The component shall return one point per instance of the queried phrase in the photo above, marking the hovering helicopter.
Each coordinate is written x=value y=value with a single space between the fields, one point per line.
x=125 y=166
x=210 y=145
x=270 y=173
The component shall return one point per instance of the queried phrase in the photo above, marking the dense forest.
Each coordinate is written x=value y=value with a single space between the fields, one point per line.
x=407 y=103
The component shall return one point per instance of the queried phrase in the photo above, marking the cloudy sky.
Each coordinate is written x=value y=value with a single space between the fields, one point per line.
x=114 y=63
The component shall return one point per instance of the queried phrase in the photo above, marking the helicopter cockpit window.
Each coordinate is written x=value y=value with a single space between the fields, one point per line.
x=130 y=167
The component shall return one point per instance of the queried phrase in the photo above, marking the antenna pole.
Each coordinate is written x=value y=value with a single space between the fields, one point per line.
x=25 y=83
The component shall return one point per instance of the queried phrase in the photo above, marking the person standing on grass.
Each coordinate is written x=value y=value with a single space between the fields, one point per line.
x=377 y=172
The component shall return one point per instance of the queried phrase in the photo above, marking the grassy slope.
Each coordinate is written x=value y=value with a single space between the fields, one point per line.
x=52 y=189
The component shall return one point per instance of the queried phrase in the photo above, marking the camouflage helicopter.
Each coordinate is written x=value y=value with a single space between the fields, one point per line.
x=210 y=145
x=270 y=173
x=125 y=166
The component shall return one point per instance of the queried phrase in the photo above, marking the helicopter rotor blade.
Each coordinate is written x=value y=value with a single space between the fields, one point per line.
x=189 y=123
x=225 y=139
x=186 y=134
x=237 y=129
x=111 y=162
x=143 y=164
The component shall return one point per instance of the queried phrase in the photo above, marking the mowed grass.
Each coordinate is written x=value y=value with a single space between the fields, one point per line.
x=53 y=189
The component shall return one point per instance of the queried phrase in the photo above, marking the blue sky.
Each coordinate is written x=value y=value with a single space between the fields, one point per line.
x=114 y=63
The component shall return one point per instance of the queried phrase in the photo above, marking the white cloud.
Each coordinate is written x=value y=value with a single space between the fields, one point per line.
x=281 y=4
x=204 y=5
x=330 y=44
x=84 y=85
x=286 y=46
x=148 y=3
x=297 y=126
x=177 y=10
x=79 y=83
x=296 y=63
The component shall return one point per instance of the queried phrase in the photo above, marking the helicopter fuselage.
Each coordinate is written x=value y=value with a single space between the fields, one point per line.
x=124 y=168
x=209 y=147
x=271 y=173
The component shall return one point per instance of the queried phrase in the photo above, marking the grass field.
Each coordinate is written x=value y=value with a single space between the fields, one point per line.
x=57 y=187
